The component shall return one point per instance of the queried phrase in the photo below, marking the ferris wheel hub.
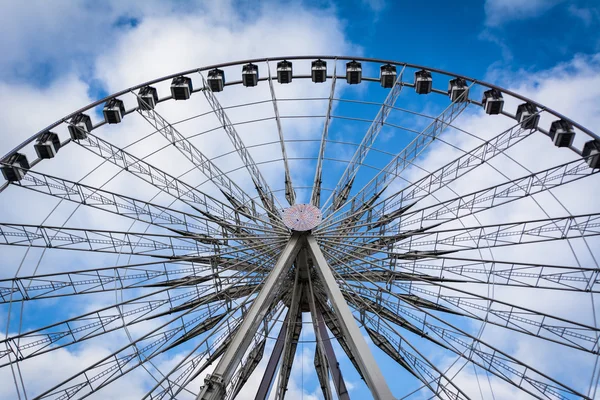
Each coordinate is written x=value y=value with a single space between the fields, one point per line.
x=302 y=217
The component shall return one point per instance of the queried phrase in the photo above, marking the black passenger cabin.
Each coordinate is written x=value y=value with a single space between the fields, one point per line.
x=353 y=72
x=147 y=98
x=12 y=169
x=79 y=126
x=250 y=75
x=47 y=145
x=284 y=71
x=492 y=102
x=562 y=133
x=456 y=88
x=319 y=71
x=591 y=152
x=181 y=88
x=113 y=111
x=387 y=76
x=527 y=115
x=423 y=82
x=216 y=80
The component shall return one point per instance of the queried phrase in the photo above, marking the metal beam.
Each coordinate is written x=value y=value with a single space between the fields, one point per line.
x=334 y=366
x=315 y=197
x=262 y=187
x=344 y=185
x=368 y=366
x=321 y=363
x=377 y=186
x=269 y=374
x=214 y=387
x=290 y=193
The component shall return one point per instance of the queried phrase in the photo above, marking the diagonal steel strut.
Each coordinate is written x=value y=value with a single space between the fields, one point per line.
x=215 y=384
x=366 y=362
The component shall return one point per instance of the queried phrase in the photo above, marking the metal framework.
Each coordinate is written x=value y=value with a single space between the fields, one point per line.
x=437 y=251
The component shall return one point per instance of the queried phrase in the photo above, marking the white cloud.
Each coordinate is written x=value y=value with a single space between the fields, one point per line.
x=498 y=12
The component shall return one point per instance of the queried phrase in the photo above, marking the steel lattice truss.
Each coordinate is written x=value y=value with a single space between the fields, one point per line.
x=398 y=262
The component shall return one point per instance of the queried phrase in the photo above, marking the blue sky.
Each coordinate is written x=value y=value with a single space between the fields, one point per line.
x=59 y=57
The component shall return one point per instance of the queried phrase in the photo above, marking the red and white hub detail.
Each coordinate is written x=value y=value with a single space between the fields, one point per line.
x=302 y=217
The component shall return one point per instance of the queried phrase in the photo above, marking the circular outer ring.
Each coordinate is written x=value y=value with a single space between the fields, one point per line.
x=274 y=59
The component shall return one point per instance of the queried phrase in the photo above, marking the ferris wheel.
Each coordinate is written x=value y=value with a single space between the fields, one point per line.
x=421 y=232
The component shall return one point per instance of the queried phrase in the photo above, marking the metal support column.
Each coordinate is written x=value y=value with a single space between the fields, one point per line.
x=215 y=384
x=366 y=362
x=267 y=379
x=334 y=367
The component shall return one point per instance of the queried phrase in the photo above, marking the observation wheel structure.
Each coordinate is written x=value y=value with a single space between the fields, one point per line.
x=405 y=225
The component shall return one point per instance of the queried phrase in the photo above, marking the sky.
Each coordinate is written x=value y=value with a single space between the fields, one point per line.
x=59 y=56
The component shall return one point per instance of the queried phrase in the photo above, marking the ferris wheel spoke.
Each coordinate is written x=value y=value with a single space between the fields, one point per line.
x=477 y=351
x=398 y=203
x=119 y=242
x=262 y=187
x=113 y=318
x=404 y=353
x=344 y=186
x=315 y=196
x=133 y=276
x=290 y=193
x=419 y=242
x=489 y=198
x=132 y=355
x=174 y=220
x=373 y=190
x=236 y=196
x=333 y=324
x=138 y=309
x=206 y=205
x=149 y=274
x=486 y=272
x=455 y=300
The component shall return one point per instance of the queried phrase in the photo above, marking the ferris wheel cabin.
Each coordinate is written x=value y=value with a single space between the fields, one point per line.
x=492 y=102
x=147 y=98
x=423 y=82
x=562 y=133
x=47 y=145
x=15 y=167
x=319 y=71
x=250 y=75
x=353 y=72
x=528 y=116
x=181 y=88
x=79 y=126
x=113 y=111
x=456 y=88
x=216 y=80
x=387 y=76
x=284 y=71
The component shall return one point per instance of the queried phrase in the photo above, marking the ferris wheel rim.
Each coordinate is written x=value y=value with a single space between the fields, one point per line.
x=308 y=57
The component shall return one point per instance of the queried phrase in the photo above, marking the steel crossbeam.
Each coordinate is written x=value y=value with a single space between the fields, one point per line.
x=218 y=212
x=377 y=186
x=215 y=384
x=452 y=299
x=237 y=197
x=342 y=189
x=396 y=204
x=262 y=187
x=290 y=193
x=315 y=197
x=368 y=367
x=119 y=242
